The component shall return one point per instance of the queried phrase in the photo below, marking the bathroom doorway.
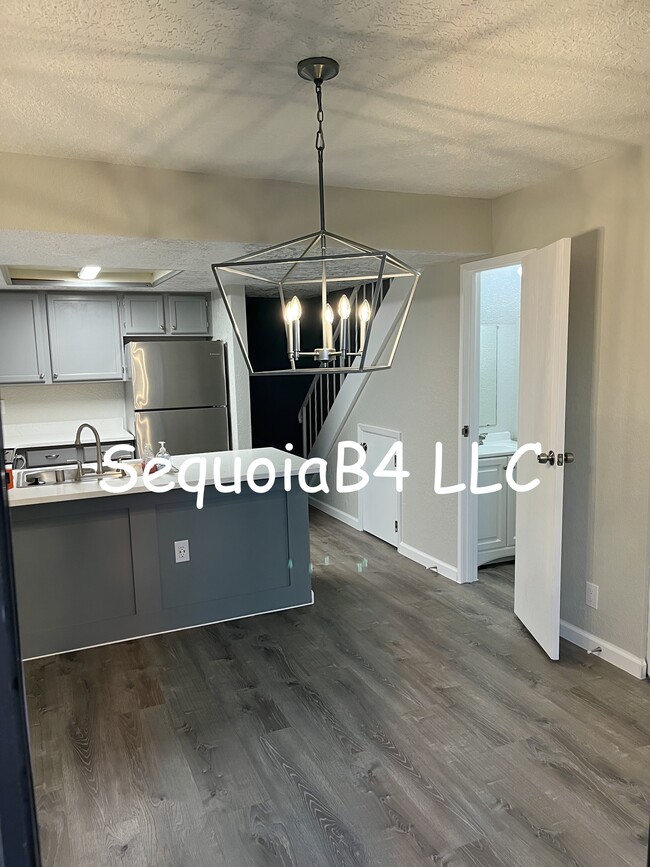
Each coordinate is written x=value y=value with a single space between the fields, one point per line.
x=499 y=299
x=539 y=438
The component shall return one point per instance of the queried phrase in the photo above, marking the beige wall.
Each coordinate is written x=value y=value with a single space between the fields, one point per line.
x=418 y=396
x=605 y=208
x=55 y=195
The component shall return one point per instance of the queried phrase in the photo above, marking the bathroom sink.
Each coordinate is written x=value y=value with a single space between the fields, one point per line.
x=497 y=443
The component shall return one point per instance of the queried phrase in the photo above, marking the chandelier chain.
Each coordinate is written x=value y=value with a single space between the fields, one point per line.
x=320 y=148
x=320 y=116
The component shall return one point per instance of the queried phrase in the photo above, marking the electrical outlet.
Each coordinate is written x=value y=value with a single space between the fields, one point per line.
x=182 y=551
x=592 y=595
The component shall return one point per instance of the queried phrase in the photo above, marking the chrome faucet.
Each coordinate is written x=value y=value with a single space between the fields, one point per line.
x=481 y=438
x=98 y=445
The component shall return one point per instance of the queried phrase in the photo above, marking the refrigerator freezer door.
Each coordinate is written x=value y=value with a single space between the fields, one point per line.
x=172 y=374
x=184 y=431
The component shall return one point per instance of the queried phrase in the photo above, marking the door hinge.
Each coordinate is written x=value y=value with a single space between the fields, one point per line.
x=396 y=527
x=465 y=430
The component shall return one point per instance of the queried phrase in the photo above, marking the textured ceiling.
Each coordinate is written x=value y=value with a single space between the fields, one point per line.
x=463 y=97
x=60 y=250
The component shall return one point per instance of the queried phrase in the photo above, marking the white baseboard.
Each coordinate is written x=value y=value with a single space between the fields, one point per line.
x=623 y=659
x=427 y=560
x=333 y=512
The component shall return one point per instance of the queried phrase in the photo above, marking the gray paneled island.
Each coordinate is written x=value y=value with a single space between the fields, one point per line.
x=94 y=567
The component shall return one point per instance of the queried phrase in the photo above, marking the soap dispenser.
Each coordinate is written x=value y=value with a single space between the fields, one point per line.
x=163 y=453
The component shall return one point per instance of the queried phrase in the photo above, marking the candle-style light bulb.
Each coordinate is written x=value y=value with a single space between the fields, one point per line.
x=364 y=317
x=293 y=310
x=344 y=334
x=292 y=313
x=329 y=319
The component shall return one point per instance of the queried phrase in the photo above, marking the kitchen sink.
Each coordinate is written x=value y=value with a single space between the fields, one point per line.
x=60 y=475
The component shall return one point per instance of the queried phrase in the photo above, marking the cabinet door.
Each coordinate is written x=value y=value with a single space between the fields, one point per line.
x=85 y=338
x=143 y=315
x=189 y=315
x=23 y=339
x=492 y=518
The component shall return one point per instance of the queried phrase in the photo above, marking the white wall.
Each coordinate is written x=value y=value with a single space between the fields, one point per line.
x=500 y=296
x=27 y=404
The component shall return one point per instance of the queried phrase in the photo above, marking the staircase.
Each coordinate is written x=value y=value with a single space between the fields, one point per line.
x=326 y=387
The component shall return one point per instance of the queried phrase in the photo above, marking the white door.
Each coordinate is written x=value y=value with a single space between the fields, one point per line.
x=380 y=501
x=542 y=399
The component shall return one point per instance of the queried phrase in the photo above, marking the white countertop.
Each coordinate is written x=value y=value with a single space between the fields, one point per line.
x=496 y=444
x=497 y=449
x=41 y=494
x=62 y=433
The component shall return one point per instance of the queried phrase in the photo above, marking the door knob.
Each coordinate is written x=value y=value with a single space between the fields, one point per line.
x=545 y=458
x=566 y=458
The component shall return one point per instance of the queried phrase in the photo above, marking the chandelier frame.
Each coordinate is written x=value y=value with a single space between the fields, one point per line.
x=328 y=359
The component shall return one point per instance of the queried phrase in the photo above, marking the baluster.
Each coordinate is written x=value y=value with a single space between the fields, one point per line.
x=319 y=408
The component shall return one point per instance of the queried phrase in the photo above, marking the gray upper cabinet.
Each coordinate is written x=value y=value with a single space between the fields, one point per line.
x=143 y=315
x=189 y=315
x=23 y=339
x=85 y=337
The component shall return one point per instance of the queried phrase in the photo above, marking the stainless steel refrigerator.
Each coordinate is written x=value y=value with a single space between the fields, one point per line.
x=177 y=392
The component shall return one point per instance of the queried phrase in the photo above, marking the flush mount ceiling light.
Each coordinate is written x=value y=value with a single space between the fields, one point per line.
x=324 y=280
x=89 y=272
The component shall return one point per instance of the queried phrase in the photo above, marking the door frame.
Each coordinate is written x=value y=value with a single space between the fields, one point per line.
x=396 y=435
x=468 y=403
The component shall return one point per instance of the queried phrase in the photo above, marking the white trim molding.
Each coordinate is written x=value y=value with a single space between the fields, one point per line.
x=439 y=566
x=623 y=659
x=339 y=514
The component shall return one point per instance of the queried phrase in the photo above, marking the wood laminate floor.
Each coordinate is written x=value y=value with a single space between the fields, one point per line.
x=402 y=720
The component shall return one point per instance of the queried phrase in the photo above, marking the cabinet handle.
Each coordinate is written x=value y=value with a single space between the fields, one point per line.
x=51 y=457
x=162 y=327
x=173 y=328
x=41 y=376
x=55 y=376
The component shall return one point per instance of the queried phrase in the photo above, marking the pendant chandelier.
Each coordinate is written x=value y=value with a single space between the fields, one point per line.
x=326 y=285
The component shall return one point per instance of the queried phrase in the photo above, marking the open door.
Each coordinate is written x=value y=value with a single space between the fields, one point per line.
x=542 y=404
